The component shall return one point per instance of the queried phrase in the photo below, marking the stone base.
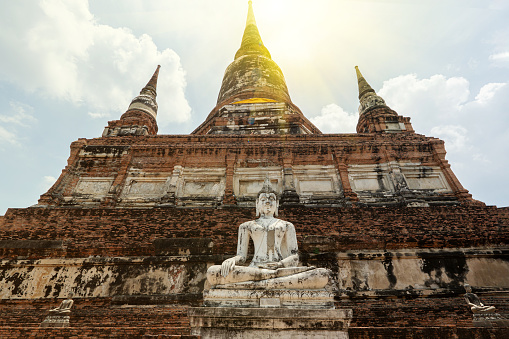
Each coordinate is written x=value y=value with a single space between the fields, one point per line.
x=246 y=323
x=56 y=321
x=305 y=299
x=490 y=320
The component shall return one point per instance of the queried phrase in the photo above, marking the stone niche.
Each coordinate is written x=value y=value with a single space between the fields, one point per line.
x=370 y=178
x=94 y=186
x=144 y=189
x=247 y=182
x=142 y=186
x=378 y=182
x=91 y=189
x=200 y=186
x=315 y=183
x=425 y=177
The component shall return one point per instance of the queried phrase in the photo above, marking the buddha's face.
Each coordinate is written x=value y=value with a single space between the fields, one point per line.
x=267 y=204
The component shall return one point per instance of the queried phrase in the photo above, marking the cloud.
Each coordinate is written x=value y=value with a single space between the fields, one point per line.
x=95 y=115
x=20 y=115
x=7 y=137
x=500 y=47
x=47 y=182
x=488 y=92
x=333 y=119
x=426 y=100
x=500 y=56
x=455 y=137
x=59 y=49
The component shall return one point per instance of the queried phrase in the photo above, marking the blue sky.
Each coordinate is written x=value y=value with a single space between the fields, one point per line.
x=70 y=66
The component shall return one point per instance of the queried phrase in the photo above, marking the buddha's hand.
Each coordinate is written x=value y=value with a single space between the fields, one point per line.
x=271 y=265
x=227 y=266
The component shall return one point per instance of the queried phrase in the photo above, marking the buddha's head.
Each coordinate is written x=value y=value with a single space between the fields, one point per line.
x=468 y=289
x=267 y=203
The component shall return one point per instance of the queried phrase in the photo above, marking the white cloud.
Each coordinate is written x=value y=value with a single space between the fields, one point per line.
x=488 y=91
x=500 y=56
x=498 y=5
x=60 y=50
x=96 y=115
x=455 y=137
x=333 y=119
x=426 y=100
x=21 y=114
x=500 y=47
x=47 y=182
x=7 y=137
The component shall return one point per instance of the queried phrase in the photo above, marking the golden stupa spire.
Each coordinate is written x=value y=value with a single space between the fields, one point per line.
x=364 y=87
x=251 y=41
x=367 y=96
x=250 y=15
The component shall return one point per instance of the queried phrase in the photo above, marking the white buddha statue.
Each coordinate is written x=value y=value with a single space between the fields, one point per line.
x=476 y=306
x=276 y=259
x=65 y=306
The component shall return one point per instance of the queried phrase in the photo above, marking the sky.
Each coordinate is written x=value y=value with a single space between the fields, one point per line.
x=70 y=66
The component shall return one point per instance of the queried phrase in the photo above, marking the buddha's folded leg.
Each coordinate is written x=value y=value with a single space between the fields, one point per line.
x=238 y=274
x=312 y=279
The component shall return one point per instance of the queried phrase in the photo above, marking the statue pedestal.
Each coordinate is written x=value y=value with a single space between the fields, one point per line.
x=285 y=323
x=489 y=320
x=295 y=299
x=55 y=321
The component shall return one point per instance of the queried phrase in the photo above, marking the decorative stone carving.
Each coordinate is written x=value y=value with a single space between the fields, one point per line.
x=398 y=179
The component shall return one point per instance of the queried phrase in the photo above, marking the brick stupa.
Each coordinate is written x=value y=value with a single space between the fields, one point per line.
x=135 y=218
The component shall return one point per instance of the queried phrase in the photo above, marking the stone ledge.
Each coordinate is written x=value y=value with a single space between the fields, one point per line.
x=32 y=244
x=162 y=299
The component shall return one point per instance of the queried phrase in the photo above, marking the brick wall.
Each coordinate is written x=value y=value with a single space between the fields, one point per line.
x=131 y=232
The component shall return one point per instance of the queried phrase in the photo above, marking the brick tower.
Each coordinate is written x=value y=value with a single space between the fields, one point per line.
x=140 y=117
x=136 y=217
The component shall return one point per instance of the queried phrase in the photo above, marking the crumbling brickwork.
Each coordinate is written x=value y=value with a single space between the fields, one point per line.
x=131 y=232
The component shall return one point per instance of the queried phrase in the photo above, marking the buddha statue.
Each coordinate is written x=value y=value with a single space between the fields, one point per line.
x=476 y=306
x=64 y=307
x=275 y=264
